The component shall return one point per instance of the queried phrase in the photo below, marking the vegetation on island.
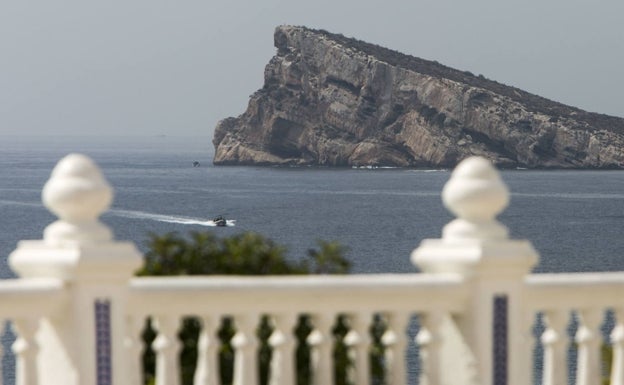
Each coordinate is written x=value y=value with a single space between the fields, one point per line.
x=203 y=253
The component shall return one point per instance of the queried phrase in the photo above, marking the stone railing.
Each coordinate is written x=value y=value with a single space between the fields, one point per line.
x=78 y=312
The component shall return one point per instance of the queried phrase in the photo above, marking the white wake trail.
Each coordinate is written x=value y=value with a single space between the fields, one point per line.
x=165 y=218
x=18 y=203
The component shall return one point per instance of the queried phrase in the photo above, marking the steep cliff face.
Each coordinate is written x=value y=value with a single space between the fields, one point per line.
x=335 y=101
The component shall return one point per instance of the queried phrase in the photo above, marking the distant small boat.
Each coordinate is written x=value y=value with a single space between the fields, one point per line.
x=220 y=221
x=196 y=164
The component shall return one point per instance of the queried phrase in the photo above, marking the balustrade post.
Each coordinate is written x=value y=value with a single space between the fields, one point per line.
x=589 y=340
x=26 y=349
x=167 y=348
x=359 y=340
x=134 y=345
x=617 y=339
x=283 y=364
x=86 y=344
x=491 y=331
x=245 y=345
x=428 y=339
x=554 y=341
x=206 y=372
x=320 y=341
x=395 y=341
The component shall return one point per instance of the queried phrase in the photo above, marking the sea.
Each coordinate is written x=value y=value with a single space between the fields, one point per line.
x=573 y=218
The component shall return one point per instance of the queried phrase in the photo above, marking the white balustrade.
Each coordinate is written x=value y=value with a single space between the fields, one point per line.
x=477 y=246
x=282 y=340
x=554 y=341
x=428 y=339
x=617 y=339
x=167 y=348
x=475 y=300
x=321 y=343
x=589 y=295
x=76 y=265
x=245 y=347
x=206 y=372
x=26 y=349
x=395 y=341
x=359 y=340
x=588 y=367
x=134 y=344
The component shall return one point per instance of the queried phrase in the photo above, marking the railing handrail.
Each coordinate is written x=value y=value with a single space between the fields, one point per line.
x=298 y=293
x=590 y=290
x=31 y=297
x=304 y=282
x=583 y=279
x=29 y=286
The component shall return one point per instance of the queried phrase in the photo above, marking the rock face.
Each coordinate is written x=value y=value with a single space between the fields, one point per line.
x=334 y=101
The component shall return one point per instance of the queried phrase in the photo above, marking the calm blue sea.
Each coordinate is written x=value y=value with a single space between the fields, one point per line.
x=574 y=218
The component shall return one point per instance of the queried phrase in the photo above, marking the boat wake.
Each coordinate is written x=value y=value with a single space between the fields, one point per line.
x=167 y=218
x=4 y=202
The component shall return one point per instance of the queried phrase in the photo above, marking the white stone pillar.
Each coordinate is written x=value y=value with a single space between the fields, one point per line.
x=80 y=250
x=589 y=340
x=167 y=349
x=554 y=340
x=283 y=363
x=207 y=369
x=358 y=339
x=429 y=341
x=395 y=340
x=134 y=346
x=617 y=339
x=321 y=345
x=26 y=349
x=477 y=246
x=245 y=344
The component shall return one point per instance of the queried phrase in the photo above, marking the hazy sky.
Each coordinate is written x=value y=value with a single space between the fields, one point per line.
x=155 y=67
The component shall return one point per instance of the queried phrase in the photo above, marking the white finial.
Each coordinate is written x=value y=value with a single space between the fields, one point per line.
x=476 y=195
x=78 y=194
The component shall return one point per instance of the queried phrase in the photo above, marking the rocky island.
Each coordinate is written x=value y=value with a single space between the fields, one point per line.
x=329 y=100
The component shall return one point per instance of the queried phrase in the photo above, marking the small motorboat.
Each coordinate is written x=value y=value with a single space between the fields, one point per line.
x=219 y=221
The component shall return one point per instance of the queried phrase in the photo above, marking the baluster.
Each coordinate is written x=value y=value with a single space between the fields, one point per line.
x=25 y=349
x=358 y=339
x=428 y=339
x=617 y=339
x=207 y=353
x=588 y=368
x=321 y=343
x=245 y=346
x=283 y=370
x=396 y=345
x=553 y=339
x=134 y=346
x=166 y=346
